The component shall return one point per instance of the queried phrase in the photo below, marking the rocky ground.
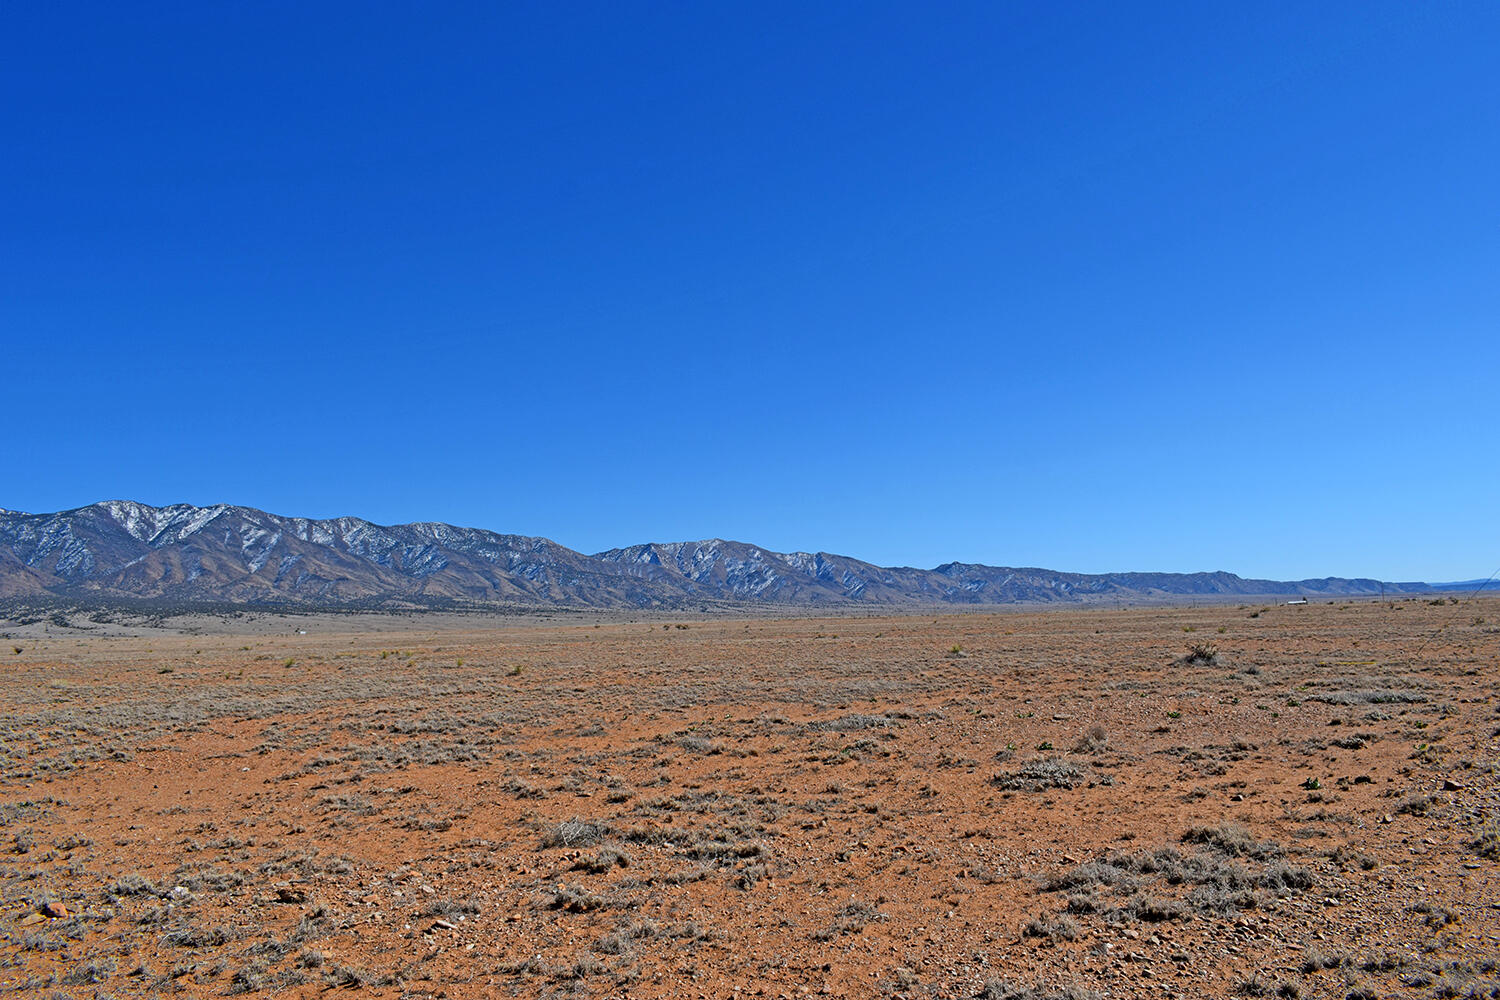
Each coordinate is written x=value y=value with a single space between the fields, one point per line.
x=1247 y=800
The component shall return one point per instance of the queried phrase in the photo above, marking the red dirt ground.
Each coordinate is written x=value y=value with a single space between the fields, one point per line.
x=1011 y=805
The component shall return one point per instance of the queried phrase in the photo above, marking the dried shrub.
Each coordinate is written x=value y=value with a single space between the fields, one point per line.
x=1041 y=775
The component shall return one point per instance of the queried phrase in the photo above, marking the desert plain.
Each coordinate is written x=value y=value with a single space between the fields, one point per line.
x=1249 y=799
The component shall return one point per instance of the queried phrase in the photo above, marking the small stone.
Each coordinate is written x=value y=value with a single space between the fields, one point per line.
x=55 y=910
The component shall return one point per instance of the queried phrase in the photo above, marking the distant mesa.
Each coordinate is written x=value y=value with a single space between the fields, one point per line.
x=227 y=555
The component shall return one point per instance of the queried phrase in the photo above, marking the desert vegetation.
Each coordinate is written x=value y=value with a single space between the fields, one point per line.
x=1069 y=804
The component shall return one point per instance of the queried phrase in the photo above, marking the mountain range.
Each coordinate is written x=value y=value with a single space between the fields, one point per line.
x=120 y=550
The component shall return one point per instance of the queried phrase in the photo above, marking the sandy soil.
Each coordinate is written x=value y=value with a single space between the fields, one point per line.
x=1021 y=805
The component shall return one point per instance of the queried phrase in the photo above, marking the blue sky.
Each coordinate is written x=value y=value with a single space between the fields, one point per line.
x=1086 y=286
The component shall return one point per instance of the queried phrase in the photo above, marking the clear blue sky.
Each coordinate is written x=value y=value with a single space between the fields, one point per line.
x=1088 y=286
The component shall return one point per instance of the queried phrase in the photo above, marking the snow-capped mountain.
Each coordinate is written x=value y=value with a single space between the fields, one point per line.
x=120 y=549
x=242 y=555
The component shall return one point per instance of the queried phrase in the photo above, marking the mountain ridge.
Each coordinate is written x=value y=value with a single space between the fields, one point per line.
x=231 y=554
